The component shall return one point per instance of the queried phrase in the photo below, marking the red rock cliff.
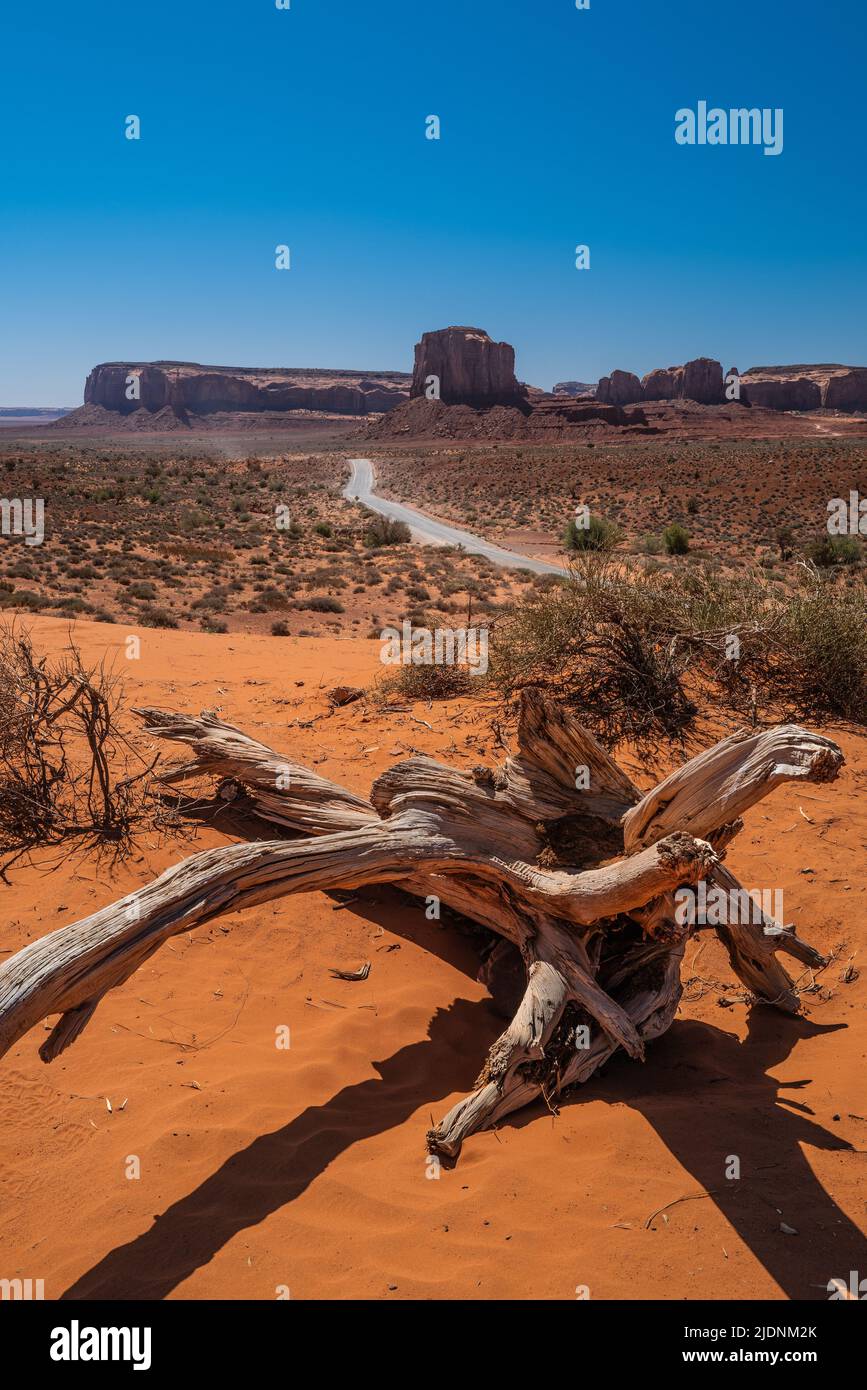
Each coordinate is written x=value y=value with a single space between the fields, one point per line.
x=471 y=368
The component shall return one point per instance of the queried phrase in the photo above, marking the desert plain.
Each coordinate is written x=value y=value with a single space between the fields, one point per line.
x=302 y=1171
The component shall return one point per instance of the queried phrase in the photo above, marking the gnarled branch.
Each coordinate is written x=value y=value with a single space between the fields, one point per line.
x=580 y=880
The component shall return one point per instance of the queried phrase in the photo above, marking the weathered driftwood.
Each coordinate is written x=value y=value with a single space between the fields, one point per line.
x=581 y=882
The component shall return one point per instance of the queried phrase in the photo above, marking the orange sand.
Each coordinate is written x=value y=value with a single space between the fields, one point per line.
x=306 y=1168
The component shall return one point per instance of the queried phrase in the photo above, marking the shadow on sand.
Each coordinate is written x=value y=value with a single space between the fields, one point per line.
x=705 y=1093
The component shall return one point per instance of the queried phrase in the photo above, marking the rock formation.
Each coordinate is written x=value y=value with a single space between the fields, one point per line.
x=189 y=388
x=469 y=368
x=575 y=388
x=807 y=387
x=846 y=390
x=472 y=371
x=620 y=388
x=782 y=393
x=549 y=417
x=662 y=384
x=557 y=412
x=702 y=381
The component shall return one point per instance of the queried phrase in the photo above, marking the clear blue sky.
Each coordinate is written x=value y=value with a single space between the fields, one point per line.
x=306 y=127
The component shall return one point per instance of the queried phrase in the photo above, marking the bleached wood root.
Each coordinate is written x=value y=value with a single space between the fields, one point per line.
x=519 y=849
x=715 y=788
x=76 y=965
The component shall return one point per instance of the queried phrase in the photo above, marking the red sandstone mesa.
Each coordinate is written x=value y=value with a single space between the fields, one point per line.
x=188 y=387
x=470 y=367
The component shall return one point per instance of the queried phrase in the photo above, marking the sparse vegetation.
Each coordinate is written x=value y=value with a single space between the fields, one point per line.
x=382 y=531
x=834 y=550
x=635 y=651
x=675 y=538
x=598 y=534
x=426 y=682
x=68 y=776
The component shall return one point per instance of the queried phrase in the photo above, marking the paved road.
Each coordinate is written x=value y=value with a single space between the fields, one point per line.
x=427 y=528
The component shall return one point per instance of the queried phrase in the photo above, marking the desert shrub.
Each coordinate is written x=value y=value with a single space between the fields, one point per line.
x=214 y=599
x=591 y=639
x=632 y=650
x=427 y=682
x=598 y=534
x=321 y=603
x=280 y=628
x=142 y=589
x=819 y=662
x=157 y=617
x=68 y=775
x=271 y=598
x=382 y=530
x=675 y=538
x=24 y=598
x=834 y=550
x=651 y=544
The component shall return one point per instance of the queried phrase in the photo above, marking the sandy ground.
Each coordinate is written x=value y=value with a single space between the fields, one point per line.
x=265 y=1169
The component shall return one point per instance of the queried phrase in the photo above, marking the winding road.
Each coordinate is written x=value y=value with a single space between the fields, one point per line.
x=428 y=529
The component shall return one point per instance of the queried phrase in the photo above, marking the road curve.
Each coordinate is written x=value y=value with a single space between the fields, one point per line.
x=427 y=528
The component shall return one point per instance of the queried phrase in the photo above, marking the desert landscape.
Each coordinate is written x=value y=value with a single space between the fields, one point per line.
x=433 y=681
x=293 y=1080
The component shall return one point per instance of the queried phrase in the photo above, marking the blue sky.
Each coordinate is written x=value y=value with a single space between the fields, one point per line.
x=307 y=127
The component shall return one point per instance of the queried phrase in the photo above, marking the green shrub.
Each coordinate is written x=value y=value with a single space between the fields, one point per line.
x=834 y=550
x=598 y=534
x=675 y=538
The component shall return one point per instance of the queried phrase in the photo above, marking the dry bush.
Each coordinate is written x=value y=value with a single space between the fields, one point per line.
x=68 y=776
x=426 y=682
x=820 y=660
x=633 y=650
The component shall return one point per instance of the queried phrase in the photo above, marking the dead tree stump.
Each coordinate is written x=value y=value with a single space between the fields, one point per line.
x=582 y=882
